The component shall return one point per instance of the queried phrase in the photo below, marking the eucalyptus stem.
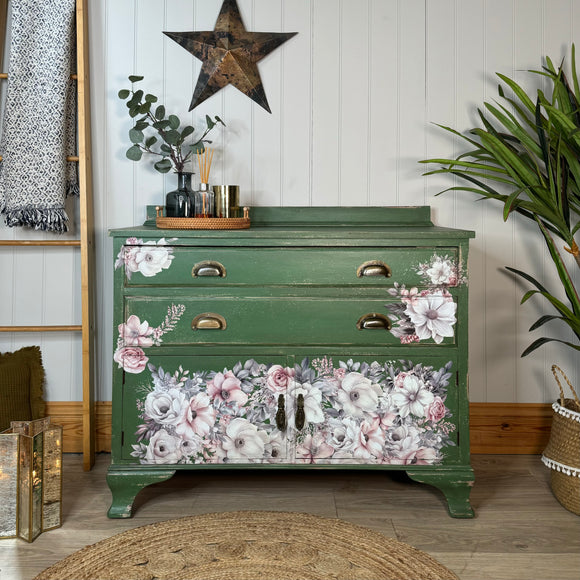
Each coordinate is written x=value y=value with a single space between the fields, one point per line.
x=167 y=127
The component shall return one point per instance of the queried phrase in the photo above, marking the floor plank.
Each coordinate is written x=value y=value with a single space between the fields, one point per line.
x=520 y=530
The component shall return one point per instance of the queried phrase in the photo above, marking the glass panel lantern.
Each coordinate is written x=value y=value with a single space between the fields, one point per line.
x=30 y=478
x=9 y=461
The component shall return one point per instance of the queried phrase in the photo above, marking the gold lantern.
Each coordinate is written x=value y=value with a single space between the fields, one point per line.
x=30 y=479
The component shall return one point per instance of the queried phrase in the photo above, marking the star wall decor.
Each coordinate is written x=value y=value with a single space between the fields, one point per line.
x=229 y=54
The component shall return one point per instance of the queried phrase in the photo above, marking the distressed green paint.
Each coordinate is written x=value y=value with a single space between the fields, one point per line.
x=301 y=266
x=290 y=291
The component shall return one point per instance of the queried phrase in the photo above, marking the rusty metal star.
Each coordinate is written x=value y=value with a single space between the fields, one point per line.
x=229 y=54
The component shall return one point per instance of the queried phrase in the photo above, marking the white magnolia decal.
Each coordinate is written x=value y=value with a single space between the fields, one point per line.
x=149 y=258
x=428 y=313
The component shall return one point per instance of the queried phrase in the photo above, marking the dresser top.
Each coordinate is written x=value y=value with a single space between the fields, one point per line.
x=342 y=225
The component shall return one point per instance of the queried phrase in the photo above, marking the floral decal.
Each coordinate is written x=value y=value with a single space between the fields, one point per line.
x=391 y=413
x=134 y=335
x=429 y=313
x=149 y=258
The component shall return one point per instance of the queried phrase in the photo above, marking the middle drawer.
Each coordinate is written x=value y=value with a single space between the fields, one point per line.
x=157 y=321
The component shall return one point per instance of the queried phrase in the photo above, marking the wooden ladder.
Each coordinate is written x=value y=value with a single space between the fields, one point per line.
x=86 y=241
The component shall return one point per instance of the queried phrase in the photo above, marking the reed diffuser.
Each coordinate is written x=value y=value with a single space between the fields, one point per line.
x=204 y=197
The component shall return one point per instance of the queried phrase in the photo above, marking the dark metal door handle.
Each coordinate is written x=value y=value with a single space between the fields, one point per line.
x=300 y=415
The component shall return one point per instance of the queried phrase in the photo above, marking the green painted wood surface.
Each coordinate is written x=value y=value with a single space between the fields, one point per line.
x=215 y=266
x=290 y=290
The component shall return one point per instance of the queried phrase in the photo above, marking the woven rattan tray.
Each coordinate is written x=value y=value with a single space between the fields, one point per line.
x=173 y=223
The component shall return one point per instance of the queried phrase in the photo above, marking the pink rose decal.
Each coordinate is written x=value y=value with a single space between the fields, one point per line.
x=279 y=378
x=226 y=388
x=436 y=410
x=132 y=359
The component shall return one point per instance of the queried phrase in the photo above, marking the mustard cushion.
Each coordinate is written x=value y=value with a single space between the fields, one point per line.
x=21 y=386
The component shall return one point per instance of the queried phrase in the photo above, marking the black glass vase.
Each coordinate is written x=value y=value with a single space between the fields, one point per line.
x=179 y=203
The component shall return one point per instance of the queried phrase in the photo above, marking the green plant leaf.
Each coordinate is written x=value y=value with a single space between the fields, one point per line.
x=163 y=166
x=198 y=147
x=209 y=122
x=219 y=120
x=174 y=121
x=135 y=78
x=144 y=108
x=160 y=112
x=542 y=320
x=124 y=93
x=136 y=136
x=134 y=111
x=519 y=92
x=161 y=125
x=140 y=125
x=562 y=270
x=187 y=131
x=151 y=98
x=165 y=148
x=172 y=137
x=541 y=341
x=150 y=142
x=527 y=277
x=134 y=153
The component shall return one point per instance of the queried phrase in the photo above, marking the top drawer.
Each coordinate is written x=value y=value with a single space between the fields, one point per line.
x=165 y=265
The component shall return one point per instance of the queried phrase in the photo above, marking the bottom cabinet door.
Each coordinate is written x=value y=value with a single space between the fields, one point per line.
x=206 y=409
x=353 y=410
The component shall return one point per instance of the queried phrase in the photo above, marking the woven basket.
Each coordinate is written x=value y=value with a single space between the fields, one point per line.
x=173 y=223
x=562 y=455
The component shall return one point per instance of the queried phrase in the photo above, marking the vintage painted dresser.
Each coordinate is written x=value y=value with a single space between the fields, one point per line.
x=320 y=337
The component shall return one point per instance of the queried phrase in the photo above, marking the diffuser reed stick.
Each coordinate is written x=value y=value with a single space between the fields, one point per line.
x=204 y=159
x=205 y=200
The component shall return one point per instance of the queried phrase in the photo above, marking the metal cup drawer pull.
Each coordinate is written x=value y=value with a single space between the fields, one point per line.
x=373 y=321
x=209 y=321
x=208 y=268
x=373 y=268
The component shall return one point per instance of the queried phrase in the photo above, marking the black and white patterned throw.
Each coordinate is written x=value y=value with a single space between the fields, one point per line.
x=39 y=126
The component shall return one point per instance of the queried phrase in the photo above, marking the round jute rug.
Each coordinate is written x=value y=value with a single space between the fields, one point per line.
x=250 y=545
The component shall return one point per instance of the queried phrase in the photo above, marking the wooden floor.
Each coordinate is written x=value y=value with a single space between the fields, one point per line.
x=520 y=531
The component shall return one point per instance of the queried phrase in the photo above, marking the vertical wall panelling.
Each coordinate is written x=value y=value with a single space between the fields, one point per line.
x=529 y=252
x=326 y=102
x=149 y=62
x=469 y=64
x=354 y=118
x=383 y=125
x=121 y=62
x=411 y=101
x=500 y=298
x=99 y=105
x=441 y=103
x=296 y=98
x=267 y=128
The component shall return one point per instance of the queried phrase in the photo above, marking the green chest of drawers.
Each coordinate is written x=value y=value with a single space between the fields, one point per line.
x=325 y=337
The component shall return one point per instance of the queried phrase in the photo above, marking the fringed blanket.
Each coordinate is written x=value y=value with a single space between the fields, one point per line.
x=39 y=127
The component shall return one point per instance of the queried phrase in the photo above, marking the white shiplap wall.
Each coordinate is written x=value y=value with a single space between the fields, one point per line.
x=353 y=96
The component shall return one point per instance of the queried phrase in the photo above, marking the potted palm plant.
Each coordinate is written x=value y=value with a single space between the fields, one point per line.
x=526 y=155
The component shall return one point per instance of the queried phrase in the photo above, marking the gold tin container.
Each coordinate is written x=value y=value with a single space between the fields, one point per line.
x=227 y=201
